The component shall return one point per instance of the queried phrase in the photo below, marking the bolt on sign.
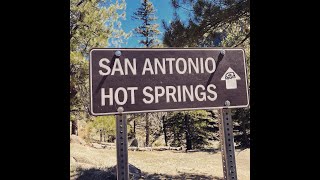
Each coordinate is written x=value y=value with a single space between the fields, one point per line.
x=165 y=79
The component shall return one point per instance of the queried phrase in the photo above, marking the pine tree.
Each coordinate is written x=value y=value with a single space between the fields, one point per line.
x=241 y=119
x=92 y=24
x=192 y=128
x=208 y=20
x=148 y=29
x=223 y=23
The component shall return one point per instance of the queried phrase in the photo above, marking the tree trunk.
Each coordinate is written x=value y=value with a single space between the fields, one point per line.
x=134 y=128
x=245 y=135
x=174 y=136
x=147 y=130
x=188 y=138
x=164 y=130
x=74 y=127
x=100 y=135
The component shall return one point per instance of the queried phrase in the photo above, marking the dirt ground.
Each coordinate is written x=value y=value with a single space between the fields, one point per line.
x=95 y=164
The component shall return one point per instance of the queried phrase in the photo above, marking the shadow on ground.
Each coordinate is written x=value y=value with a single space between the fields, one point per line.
x=96 y=174
x=106 y=173
x=135 y=174
x=183 y=176
x=210 y=151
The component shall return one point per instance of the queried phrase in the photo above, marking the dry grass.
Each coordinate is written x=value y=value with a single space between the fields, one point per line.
x=156 y=164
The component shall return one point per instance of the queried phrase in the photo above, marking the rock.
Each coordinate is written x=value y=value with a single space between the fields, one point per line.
x=77 y=140
x=96 y=145
x=133 y=148
x=134 y=172
x=133 y=143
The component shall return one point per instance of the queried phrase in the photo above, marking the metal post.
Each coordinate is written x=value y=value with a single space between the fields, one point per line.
x=122 y=146
x=227 y=145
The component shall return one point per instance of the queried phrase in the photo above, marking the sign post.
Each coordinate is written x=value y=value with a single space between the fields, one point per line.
x=227 y=144
x=122 y=146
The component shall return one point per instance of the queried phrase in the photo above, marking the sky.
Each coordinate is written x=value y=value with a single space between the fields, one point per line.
x=164 y=11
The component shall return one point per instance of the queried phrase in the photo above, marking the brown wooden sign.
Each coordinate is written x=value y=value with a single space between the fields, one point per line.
x=165 y=79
